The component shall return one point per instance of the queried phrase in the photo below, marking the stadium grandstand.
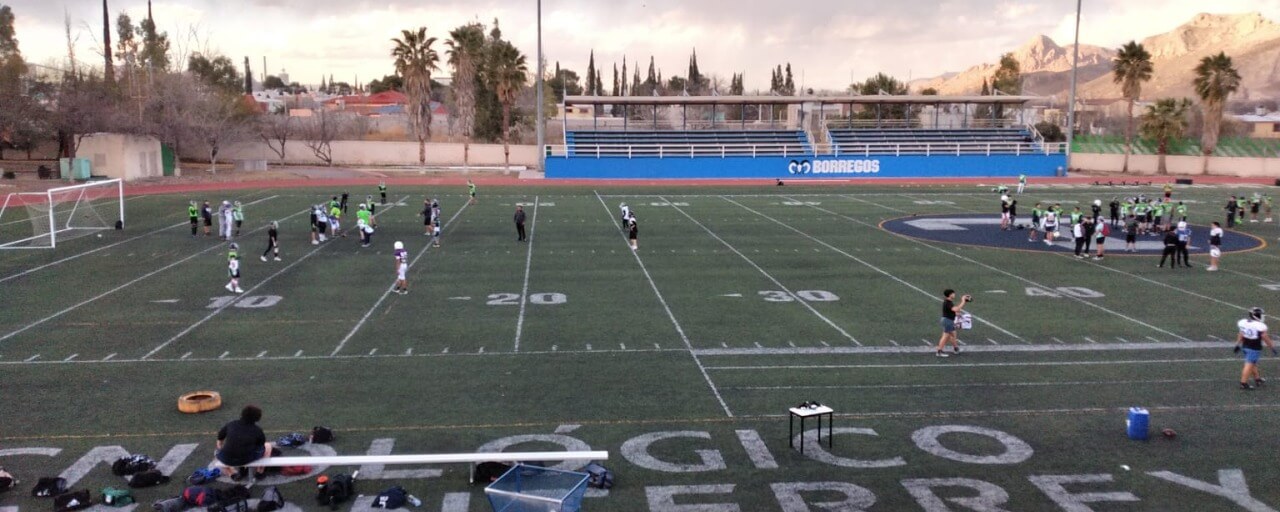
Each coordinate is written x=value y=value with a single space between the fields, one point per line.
x=800 y=137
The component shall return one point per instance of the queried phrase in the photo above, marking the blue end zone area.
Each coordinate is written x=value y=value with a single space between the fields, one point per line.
x=737 y=167
x=984 y=231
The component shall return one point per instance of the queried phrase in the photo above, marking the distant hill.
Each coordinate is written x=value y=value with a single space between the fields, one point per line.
x=1251 y=40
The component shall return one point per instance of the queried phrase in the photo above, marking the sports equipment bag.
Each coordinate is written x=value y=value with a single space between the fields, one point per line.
x=392 y=497
x=486 y=472
x=7 y=481
x=321 y=435
x=292 y=440
x=132 y=464
x=74 y=500
x=598 y=476
x=231 y=505
x=174 y=504
x=148 y=478
x=295 y=470
x=200 y=496
x=203 y=476
x=49 y=486
x=271 y=500
x=335 y=490
x=116 y=497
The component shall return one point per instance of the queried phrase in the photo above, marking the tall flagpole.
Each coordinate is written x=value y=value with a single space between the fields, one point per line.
x=538 y=85
x=1071 y=101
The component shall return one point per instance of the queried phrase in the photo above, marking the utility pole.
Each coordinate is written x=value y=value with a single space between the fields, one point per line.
x=541 y=128
x=1071 y=100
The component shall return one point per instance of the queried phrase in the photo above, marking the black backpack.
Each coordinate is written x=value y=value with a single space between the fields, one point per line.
x=231 y=504
x=486 y=472
x=321 y=435
x=132 y=464
x=7 y=481
x=271 y=500
x=75 y=500
x=200 y=496
x=48 y=486
x=148 y=478
x=392 y=497
x=175 y=504
x=336 y=490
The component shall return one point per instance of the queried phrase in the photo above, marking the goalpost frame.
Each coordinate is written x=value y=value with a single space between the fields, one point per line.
x=48 y=196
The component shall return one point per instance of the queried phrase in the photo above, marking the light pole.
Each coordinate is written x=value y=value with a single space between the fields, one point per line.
x=541 y=130
x=1071 y=97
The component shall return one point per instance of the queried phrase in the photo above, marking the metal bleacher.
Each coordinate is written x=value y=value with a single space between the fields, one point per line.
x=684 y=143
x=920 y=141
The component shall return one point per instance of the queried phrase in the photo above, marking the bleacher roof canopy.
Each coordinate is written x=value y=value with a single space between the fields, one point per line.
x=915 y=99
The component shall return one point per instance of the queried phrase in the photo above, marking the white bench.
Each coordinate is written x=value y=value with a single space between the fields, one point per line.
x=439 y=458
x=426 y=458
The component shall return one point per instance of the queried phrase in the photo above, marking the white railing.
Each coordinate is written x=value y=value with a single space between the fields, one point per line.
x=943 y=124
x=679 y=150
x=787 y=149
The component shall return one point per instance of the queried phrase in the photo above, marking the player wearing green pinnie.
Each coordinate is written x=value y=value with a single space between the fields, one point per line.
x=237 y=213
x=193 y=213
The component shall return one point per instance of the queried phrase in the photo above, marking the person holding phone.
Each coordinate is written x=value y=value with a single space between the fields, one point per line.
x=949 y=311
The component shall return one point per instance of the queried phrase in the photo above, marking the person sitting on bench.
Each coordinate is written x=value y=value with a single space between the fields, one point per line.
x=241 y=442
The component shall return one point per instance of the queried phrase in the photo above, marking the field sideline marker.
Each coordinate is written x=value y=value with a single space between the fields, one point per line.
x=91 y=251
x=128 y=284
x=387 y=292
x=762 y=271
x=1109 y=347
x=1002 y=271
x=672 y=316
x=864 y=263
x=248 y=292
x=976 y=384
x=868 y=366
x=528 y=260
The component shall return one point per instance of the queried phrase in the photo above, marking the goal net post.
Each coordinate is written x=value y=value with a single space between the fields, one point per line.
x=42 y=220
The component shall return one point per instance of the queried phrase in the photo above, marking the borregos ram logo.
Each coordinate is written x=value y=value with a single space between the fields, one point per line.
x=833 y=167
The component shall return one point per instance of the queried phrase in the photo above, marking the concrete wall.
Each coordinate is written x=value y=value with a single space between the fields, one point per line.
x=376 y=153
x=1178 y=165
x=128 y=157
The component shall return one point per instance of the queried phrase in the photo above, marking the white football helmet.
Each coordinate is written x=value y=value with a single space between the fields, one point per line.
x=399 y=245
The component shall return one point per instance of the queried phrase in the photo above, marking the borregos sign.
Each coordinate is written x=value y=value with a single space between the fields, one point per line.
x=833 y=167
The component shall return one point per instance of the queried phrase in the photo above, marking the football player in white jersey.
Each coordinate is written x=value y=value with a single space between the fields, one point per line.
x=1251 y=335
x=233 y=268
x=402 y=269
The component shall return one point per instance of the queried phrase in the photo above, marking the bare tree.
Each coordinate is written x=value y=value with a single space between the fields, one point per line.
x=217 y=120
x=170 y=109
x=84 y=107
x=276 y=131
x=320 y=130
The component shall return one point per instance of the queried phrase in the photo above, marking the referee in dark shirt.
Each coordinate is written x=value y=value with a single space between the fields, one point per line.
x=519 y=218
x=949 y=311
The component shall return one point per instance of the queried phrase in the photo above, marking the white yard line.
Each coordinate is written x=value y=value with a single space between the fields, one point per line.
x=679 y=330
x=753 y=264
x=250 y=291
x=998 y=270
x=1099 y=347
x=980 y=385
x=126 y=285
x=387 y=292
x=528 y=262
x=105 y=247
x=866 y=264
x=1101 y=362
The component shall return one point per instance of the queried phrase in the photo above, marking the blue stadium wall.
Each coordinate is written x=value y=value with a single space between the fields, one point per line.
x=806 y=167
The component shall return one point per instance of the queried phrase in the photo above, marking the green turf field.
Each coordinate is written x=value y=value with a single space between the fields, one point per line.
x=680 y=359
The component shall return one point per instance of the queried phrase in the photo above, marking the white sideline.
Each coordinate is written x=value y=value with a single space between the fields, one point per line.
x=679 y=330
x=426 y=458
x=528 y=261
x=766 y=274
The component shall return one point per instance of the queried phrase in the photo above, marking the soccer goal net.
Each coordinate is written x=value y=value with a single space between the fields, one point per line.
x=42 y=220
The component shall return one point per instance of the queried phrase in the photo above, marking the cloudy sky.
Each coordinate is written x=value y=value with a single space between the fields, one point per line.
x=827 y=41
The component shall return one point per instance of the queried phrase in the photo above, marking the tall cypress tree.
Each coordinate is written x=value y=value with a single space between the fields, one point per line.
x=616 y=91
x=248 y=77
x=591 y=74
x=789 y=86
x=623 y=88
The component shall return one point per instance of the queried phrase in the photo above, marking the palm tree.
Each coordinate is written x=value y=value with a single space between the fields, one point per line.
x=507 y=74
x=1131 y=67
x=1165 y=121
x=1216 y=78
x=466 y=44
x=415 y=60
